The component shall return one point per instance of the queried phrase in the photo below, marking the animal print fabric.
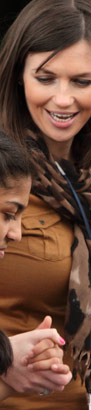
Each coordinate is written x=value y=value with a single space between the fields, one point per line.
x=51 y=186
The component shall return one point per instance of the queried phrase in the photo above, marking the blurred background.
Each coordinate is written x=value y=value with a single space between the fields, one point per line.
x=8 y=11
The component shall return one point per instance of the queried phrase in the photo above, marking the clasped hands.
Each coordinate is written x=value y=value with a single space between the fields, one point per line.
x=38 y=361
x=48 y=355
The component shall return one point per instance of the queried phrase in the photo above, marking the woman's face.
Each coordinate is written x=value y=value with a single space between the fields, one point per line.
x=13 y=201
x=58 y=96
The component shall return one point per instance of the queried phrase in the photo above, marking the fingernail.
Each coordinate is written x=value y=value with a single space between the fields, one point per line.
x=30 y=366
x=31 y=354
x=54 y=366
x=62 y=341
x=25 y=361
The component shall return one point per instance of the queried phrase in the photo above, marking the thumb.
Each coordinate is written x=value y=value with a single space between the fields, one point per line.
x=46 y=323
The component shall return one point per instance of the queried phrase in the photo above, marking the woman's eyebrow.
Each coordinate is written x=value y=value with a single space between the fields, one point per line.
x=44 y=70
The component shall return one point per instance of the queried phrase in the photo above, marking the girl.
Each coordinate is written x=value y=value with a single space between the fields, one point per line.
x=15 y=186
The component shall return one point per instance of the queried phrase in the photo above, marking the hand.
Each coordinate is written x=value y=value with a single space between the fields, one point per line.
x=19 y=377
x=48 y=355
x=51 y=359
x=44 y=350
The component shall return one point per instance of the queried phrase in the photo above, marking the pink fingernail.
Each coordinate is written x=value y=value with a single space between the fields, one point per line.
x=62 y=341
x=25 y=361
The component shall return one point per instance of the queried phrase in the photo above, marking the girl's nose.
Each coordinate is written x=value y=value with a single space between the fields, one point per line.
x=14 y=232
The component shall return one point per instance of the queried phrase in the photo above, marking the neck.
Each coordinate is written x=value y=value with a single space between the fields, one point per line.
x=59 y=150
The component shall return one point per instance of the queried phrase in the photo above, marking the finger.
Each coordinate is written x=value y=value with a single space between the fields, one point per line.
x=38 y=351
x=47 y=354
x=46 y=323
x=41 y=347
x=40 y=379
x=47 y=334
x=59 y=379
x=52 y=364
x=60 y=368
x=36 y=337
x=43 y=364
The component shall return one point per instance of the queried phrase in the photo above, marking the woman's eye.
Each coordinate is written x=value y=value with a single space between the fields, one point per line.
x=83 y=83
x=9 y=217
x=45 y=80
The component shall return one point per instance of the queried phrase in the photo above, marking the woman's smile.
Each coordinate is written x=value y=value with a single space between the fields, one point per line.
x=62 y=120
x=58 y=92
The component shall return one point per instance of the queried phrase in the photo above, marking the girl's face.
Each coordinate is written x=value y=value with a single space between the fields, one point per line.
x=12 y=203
x=58 y=96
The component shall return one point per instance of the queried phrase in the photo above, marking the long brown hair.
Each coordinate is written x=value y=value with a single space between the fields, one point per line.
x=43 y=25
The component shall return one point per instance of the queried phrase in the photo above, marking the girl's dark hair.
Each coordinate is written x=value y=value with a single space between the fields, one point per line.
x=6 y=353
x=43 y=25
x=14 y=163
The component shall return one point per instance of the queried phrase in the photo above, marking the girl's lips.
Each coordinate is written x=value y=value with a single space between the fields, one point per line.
x=2 y=252
x=62 y=124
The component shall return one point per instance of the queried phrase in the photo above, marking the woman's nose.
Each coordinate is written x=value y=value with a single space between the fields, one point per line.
x=63 y=97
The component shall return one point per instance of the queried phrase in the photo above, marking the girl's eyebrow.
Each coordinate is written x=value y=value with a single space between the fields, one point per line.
x=82 y=74
x=20 y=206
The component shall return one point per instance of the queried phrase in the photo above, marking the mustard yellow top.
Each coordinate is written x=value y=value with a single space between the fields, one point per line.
x=34 y=278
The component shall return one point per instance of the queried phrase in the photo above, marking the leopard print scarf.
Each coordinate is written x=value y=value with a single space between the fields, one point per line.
x=51 y=186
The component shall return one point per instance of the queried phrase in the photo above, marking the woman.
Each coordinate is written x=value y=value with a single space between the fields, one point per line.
x=46 y=59
x=15 y=186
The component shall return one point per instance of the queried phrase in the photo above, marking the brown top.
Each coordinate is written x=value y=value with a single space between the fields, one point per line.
x=42 y=258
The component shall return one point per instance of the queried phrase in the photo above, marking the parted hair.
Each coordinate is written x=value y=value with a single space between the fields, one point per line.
x=41 y=26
